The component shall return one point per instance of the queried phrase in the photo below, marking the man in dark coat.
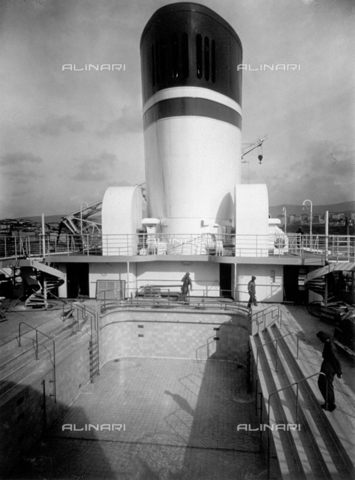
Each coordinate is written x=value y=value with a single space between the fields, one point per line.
x=186 y=285
x=300 y=233
x=330 y=367
x=252 y=292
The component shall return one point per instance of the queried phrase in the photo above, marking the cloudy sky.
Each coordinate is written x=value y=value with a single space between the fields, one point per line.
x=66 y=136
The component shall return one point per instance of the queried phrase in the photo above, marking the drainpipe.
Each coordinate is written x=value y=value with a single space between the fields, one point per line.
x=128 y=279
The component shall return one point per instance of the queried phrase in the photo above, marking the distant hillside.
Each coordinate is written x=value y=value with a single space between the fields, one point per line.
x=299 y=209
x=274 y=211
x=49 y=219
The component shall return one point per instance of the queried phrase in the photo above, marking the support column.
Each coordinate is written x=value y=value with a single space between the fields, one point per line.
x=326 y=234
x=128 y=282
x=235 y=283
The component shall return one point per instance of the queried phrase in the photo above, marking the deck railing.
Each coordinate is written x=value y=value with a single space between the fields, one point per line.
x=191 y=304
x=265 y=318
x=36 y=348
x=332 y=247
x=296 y=406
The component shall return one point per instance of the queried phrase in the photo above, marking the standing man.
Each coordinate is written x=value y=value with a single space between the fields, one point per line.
x=330 y=366
x=186 y=285
x=252 y=292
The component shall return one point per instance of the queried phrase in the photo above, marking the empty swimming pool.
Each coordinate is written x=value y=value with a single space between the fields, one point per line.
x=154 y=418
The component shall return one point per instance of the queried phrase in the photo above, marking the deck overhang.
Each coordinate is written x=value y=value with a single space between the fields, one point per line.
x=304 y=259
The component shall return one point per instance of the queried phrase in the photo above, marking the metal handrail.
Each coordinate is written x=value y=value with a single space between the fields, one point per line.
x=85 y=307
x=264 y=312
x=85 y=310
x=165 y=292
x=89 y=312
x=37 y=356
x=285 y=388
x=191 y=241
x=272 y=341
x=276 y=340
x=133 y=303
x=335 y=246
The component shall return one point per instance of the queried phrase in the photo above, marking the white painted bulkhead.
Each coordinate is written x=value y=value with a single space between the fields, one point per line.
x=113 y=271
x=205 y=278
x=269 y=282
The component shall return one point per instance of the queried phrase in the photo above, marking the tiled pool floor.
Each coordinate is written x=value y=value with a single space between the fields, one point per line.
x=157 y=419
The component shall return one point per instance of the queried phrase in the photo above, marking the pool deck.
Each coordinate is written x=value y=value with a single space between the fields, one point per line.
x=154 y=418
x=44 y=320
x=157 y=418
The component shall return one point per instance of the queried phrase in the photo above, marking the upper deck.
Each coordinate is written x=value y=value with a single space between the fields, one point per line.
x=142 y=247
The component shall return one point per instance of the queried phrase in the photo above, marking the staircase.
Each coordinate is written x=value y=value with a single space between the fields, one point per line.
x=39 y=299
x=316 y=279
x=33 y=348
x=52 y=278
x=21 y=357
x=317 y=285
x=301 y=440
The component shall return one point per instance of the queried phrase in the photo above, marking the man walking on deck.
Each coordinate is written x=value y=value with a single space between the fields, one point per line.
x=252 y=292
x=186 y=285
x=330 y=366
